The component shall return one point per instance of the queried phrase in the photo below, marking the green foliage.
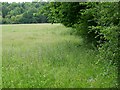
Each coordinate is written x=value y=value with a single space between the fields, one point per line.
x=15 y=13
x=77 y=15
x=109 y=28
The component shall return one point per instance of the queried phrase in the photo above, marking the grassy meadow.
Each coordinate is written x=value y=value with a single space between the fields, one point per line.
x=46 y=55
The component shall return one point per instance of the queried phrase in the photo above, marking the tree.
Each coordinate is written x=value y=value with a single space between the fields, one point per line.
x=22 y=13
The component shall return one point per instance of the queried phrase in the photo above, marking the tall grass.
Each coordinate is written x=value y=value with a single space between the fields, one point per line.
x=0 y=57
x=45 y=55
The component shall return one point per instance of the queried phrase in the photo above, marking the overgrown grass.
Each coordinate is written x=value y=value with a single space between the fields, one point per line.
x=45 y=55
x=0 y=57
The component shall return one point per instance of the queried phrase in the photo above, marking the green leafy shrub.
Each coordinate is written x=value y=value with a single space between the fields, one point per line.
x=98 y=23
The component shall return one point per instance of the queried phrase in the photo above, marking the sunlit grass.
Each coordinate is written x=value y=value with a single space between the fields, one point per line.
x=46 y=55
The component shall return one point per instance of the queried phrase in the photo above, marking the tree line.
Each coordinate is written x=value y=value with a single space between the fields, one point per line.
x=25 y=12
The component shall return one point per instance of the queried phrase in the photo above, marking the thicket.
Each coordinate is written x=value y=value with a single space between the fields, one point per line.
x=97 y=22
x=25 y=12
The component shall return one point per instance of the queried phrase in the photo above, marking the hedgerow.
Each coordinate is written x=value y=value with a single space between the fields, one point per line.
x=97 y=22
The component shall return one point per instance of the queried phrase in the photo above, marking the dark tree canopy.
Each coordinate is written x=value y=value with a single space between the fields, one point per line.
x=16 y=13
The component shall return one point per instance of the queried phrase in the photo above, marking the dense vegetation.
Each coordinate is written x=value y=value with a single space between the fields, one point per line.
x=15 y=13
x=98 y=23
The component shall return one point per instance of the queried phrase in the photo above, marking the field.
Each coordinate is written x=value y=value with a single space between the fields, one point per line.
x=46 y=55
